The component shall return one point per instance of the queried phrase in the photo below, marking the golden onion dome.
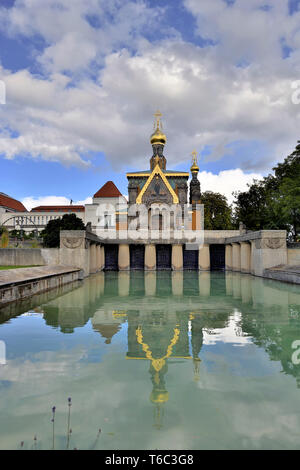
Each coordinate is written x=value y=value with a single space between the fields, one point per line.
x=194 y=167
x=159 y=396
x=158 y=137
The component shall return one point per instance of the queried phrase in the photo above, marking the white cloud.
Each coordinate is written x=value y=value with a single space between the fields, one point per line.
x=78 y=32
x=30 y=202
x=206 y=100
x=247 y=30
x=227 y=181
x=231 y=333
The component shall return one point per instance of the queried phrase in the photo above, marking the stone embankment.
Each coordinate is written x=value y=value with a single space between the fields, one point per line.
x=17 y=284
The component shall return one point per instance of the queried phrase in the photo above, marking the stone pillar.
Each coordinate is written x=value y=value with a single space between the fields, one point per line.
x=228 y=281
x=268 y=250
x=98 y=254
x=150 y=257
x=124 y=283
x=252 y=256
x=92 y=291
x=74 y=250
x=93 y=258
x=204 y=284
x=124 y=257
x=177 y=283
x=150 y=283
x=246 y=289
x=102 y=258
x=228 y=257
x=245 y=257
x=204 y=258
x=236 y=257
x=177 y=258
x=236 y=286
x=101 y=283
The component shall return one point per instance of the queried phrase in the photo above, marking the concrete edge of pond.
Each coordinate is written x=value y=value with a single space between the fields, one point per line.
x=17 y=284
x=284 y=273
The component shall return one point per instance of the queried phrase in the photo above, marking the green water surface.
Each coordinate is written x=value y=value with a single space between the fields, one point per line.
x=160 y=360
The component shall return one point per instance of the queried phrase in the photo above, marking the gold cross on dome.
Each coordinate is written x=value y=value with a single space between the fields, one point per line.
x=194 y=155
x=157 y=116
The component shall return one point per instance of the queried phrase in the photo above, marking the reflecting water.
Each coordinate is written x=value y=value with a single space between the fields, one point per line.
x=157 y=360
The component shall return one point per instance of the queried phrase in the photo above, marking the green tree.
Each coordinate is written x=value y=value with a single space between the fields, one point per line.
x=274 y=202
x=15 y=234
x=288 y=175
x=50 y=234
x=217 y=212
x=258 y=207
x=251 y=206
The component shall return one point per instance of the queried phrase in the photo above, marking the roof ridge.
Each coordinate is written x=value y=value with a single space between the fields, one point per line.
x=15 y=204
x=109 y=189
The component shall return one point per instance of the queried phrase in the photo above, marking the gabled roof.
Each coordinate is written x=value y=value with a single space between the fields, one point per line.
x=69 y=208
x=10 y=203
x=109 y=189
x=157 y=171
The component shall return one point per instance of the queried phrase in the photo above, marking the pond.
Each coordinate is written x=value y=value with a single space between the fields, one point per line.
x=157 y=360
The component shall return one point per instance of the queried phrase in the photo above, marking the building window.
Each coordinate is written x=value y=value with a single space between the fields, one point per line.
x=106 y=221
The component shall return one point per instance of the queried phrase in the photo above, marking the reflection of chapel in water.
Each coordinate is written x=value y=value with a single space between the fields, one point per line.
x=159 y=337
x=168 y=313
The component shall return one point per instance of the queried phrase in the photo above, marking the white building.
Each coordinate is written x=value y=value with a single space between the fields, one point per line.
x=106 y=208
x=14 y=216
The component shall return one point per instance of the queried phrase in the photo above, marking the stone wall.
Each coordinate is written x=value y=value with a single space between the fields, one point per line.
x=50 y=256
x=74 y=249
x=21 y=257
x=81 y=249
x=253 y=252
x=293 y=254
x=29 y=256
x=220 y=235
x=18 y=284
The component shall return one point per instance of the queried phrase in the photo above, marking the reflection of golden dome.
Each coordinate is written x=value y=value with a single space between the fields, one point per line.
x=158 y=137
x=159 y=396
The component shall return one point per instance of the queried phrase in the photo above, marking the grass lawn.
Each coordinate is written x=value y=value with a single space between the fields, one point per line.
x=3 y=268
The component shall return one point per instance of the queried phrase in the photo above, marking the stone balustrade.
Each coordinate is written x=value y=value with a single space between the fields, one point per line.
x=249 y=253
x=254 y=252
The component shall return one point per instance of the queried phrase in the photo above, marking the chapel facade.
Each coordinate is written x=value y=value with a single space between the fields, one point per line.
x=158 y=184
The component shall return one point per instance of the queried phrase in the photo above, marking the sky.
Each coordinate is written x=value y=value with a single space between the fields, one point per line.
x=84 y=79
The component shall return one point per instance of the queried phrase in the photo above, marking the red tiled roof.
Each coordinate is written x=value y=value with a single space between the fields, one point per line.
x=108 y=190
x=58 y=209
x=10 y=203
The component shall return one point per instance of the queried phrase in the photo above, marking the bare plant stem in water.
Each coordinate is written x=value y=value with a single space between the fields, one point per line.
x=69 y=431
x=96 y=440
x=53 y=423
